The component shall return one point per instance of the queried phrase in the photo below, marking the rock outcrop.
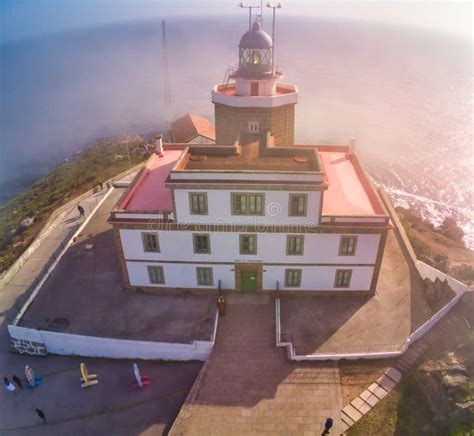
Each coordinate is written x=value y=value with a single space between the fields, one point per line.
x=447 y=387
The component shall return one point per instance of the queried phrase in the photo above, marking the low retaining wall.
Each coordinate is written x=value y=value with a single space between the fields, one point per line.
x=55 y=218
x=50 y=269
x=290 y=350
x=42 y=342
x=428 y=272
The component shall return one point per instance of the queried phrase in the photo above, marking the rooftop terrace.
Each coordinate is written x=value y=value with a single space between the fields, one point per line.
x=229 y=89
x=348 y=194
x=250 y=157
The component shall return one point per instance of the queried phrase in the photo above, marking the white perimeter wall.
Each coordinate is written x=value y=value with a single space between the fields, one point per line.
x=219 y=208
x=271 y=248
x=69 y=344
x=431 y=273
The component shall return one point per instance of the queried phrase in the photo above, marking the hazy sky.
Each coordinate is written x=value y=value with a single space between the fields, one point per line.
x=24 y=18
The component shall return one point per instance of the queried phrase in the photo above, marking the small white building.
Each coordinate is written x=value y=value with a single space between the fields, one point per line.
x=258 y=215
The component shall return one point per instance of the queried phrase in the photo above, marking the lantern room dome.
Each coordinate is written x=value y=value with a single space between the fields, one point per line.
x=256 y=38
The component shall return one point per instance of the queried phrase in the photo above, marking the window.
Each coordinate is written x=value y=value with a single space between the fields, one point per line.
x=292 y=278
x=294 y=245
x=156 y=275
x=343 y=278
x=202 y=243
x=247 y=204
x=248 y=244
x=198 y=203
x=204 y=276
x=150 y=242
x=254 y=127
x=298 y=204
x=347 y=246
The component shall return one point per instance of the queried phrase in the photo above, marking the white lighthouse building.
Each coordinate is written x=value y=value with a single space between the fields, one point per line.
x=254 y=212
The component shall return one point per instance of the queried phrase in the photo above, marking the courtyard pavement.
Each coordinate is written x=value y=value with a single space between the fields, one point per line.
x=85 y=295
x=248 y=386
x=358 y=324
x=111 y=407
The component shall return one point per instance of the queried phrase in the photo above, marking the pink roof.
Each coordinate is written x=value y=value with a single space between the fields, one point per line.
x=349 y=191
x=149 y=193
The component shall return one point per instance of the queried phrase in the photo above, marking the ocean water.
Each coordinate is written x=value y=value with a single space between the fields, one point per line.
x=406 y=95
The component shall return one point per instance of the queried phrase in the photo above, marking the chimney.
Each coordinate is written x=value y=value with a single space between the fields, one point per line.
x=158 y=145
x=352 y=145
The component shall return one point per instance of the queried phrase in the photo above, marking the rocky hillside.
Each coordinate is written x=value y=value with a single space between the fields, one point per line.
x=441 y=247
x=22 y=218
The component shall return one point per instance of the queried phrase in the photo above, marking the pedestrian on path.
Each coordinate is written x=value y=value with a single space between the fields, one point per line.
x=17 y=381
x=10 y=387
x=81 y=210
x=327 y=426
x=101 y=184
x=41 y=414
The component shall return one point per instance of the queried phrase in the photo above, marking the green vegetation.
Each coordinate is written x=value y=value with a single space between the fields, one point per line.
x=441 y=246
x=81 y=173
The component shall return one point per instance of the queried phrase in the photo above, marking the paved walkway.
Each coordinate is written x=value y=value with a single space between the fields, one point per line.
x=249 y=387
x=19 y=288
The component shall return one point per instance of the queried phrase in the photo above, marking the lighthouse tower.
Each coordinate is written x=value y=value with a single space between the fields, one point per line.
x=254 y=101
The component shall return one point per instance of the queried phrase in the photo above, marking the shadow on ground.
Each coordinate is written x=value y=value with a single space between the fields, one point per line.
x=85 y=295
x=352 y=324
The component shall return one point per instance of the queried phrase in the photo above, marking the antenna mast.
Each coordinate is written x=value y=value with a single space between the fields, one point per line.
x=166 y=76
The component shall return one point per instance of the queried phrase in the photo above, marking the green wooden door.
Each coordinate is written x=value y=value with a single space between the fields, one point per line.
x=249 y=281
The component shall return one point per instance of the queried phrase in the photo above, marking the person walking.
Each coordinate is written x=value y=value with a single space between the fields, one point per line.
x=81 y=210
x=10 y=387
x=101 y=184
x=17 y=381
x=327 y=426
x=41 y=414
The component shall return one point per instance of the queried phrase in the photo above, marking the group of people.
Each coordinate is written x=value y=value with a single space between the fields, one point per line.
x=11 y=388
x=101 y=186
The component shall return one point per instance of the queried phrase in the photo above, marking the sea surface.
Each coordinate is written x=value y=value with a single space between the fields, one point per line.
x=406 y=95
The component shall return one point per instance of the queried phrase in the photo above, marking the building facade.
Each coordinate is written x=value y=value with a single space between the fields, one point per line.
x=249 y=215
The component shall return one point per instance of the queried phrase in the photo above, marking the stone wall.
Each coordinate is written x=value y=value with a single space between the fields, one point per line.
x=24 y=346
x=279 y=121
